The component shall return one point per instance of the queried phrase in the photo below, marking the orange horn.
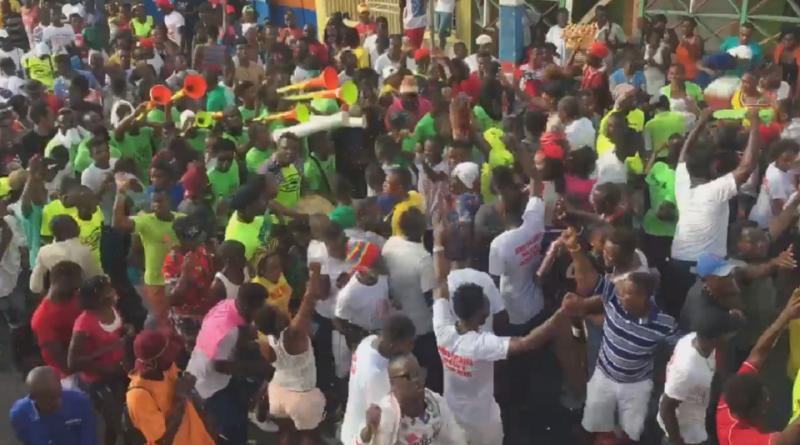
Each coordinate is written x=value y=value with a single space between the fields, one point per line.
x=329 y=80
x=160 y=94
x=300 y=113
x=194 y=87
x=347 y=93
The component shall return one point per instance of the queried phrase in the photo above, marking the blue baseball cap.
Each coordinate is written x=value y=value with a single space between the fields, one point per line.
x=710 y=264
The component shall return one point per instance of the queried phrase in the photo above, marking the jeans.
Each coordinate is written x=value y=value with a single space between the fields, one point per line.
x=443 y=21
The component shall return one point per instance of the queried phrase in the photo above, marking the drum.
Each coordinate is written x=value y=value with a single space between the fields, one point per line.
x=314 y=205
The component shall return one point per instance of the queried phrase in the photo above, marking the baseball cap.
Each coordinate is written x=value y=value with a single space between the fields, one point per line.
x=163 y=3
x=363 y=7
x=483 y=39
x=188 y=229
x=710 y=264
x=41 y=49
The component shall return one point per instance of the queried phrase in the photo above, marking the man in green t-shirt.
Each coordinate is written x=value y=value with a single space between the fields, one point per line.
x=216 y=94
x=261 y=146
x=234 y=127
x=134 y=138
x=288 y=169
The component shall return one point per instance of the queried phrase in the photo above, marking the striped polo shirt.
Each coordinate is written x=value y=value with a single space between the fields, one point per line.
x=629 y=343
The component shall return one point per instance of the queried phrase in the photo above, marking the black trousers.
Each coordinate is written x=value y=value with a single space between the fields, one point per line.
x=323 y=354
x=427 y=353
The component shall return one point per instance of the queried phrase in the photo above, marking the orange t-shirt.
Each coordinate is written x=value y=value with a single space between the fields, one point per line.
x=684 y=57
x=148 y=411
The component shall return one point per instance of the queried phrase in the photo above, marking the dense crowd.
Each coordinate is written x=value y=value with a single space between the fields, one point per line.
x=212 y=223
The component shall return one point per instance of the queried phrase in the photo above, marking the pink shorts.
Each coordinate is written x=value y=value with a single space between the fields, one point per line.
x=304 y=408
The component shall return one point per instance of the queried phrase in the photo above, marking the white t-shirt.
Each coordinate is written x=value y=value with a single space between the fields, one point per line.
x=93 y=178
x=15 y=54
x=514 y=256
x=174 y=21
x=581 y=133
x=410 y=276
x=383 y=61
x=777 y=184
x=362 y=305
x=468 y=362
x=448 y=6
x=12 y=86
x=555 y=35
x=703 y=216
x=610 y=169
x=471 y=276
x=472 y=62
x=209 y=381
x=414 y=16
x=67 y=10
x=369 y=383
x=332 y=267
x=10 y=264
x=58 y=38
x=433 y=193
x=689 y=377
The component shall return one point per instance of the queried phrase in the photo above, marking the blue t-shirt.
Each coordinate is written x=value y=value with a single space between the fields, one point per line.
x=637 y=81
x=71 y=424
x=175 y=191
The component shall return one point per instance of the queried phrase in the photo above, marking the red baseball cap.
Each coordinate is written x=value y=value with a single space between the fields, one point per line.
x=164 y=3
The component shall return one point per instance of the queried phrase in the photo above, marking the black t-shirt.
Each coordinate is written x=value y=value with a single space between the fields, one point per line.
x=32 y=143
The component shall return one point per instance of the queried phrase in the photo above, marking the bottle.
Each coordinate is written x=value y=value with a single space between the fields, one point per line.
x=555 y=249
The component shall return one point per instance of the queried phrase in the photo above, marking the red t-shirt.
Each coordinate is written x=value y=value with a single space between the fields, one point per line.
x=98 y=338
x=53 y=322
x=733 y=431
x=319 y=50
x=197 y=300
x=471 y=87
x=363 y=29
x=295 y=32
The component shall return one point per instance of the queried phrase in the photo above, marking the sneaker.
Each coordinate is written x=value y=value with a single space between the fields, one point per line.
x=266 y=426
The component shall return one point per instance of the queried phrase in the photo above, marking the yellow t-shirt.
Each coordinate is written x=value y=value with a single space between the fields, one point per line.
x=50 y=211
x=414 y=200
x=91 y=232
x=498 y=156
x=635 y=121
x=41 y=70
x=289 y=187
x=279 y=293
x=247 y=234
x=362 y=56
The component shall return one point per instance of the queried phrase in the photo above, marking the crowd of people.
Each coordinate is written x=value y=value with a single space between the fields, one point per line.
x=183 y=259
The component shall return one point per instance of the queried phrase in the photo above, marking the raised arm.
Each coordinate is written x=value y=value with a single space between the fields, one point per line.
x=301 y=323
x=441 y=267
x=751 y=153
x=705 y=116
x=119 y=220
x=760 y=352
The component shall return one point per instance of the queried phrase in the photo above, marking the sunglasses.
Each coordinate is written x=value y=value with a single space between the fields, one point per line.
x=419 y=375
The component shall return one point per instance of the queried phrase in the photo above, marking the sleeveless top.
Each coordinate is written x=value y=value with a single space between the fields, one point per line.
x=213 y=57
x=293 y=372
x=142 y=29
x=230 y=289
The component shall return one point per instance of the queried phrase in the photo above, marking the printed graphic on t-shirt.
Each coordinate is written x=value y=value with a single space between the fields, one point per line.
x=456 y=363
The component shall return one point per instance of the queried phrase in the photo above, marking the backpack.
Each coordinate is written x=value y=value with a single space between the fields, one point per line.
x=131 y=435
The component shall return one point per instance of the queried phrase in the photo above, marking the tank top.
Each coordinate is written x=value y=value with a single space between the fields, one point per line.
x=142 y=29
x=213 y=57
x=230 y=289
x=293 y=372
x=683 y=57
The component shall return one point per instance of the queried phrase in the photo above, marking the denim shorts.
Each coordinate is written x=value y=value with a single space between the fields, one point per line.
x=443 y=21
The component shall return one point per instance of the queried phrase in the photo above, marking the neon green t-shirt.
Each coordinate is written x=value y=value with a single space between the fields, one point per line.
x=224 y=184
x=50 y=211
x=289 y=188
x=198 y=142
x=158 y=237
x=314 y=169
x=662 y=126
x=240 y=140
x=140 y=149
x=248 y=114
x=246 y=233
x=635 y=121
x=661 y=184
x=159 y=116
x=498 y=156
x=484 y=119
x=91 y=231
x=255 y=157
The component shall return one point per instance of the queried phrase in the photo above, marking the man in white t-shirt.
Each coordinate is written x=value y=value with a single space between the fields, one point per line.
x=363 y=302
x=369 y=379
x=702 y=202
x=173 y=20
x=777 y=184
x=555 y=35
x=411 y=284
x=57 y=35
x=485 y=44
x=682 y=410
x=468 y=352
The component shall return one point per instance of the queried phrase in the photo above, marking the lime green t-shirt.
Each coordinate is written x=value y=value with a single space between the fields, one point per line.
x=289 y=187
x=240 y=140
x=407 y=145
x=498 y=156
x=484 y=119
x=198 y=142
x=140 y=149
x=255 y=157
x=224 y=184
x=662 y=126
x=159 y=116
x=661 y=183
x=217 y=101
x=158 y=237
x=83 y=156
x=246 y=233
x=50 y=211
x=425 y=128
x=248 y=114
x=314 y=170
x=91 y=231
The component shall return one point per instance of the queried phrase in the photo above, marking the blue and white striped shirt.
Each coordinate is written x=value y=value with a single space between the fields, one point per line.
x=629 y=344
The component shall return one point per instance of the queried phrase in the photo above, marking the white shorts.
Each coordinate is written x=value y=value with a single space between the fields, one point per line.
x=490 y=434
x=606 y=398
